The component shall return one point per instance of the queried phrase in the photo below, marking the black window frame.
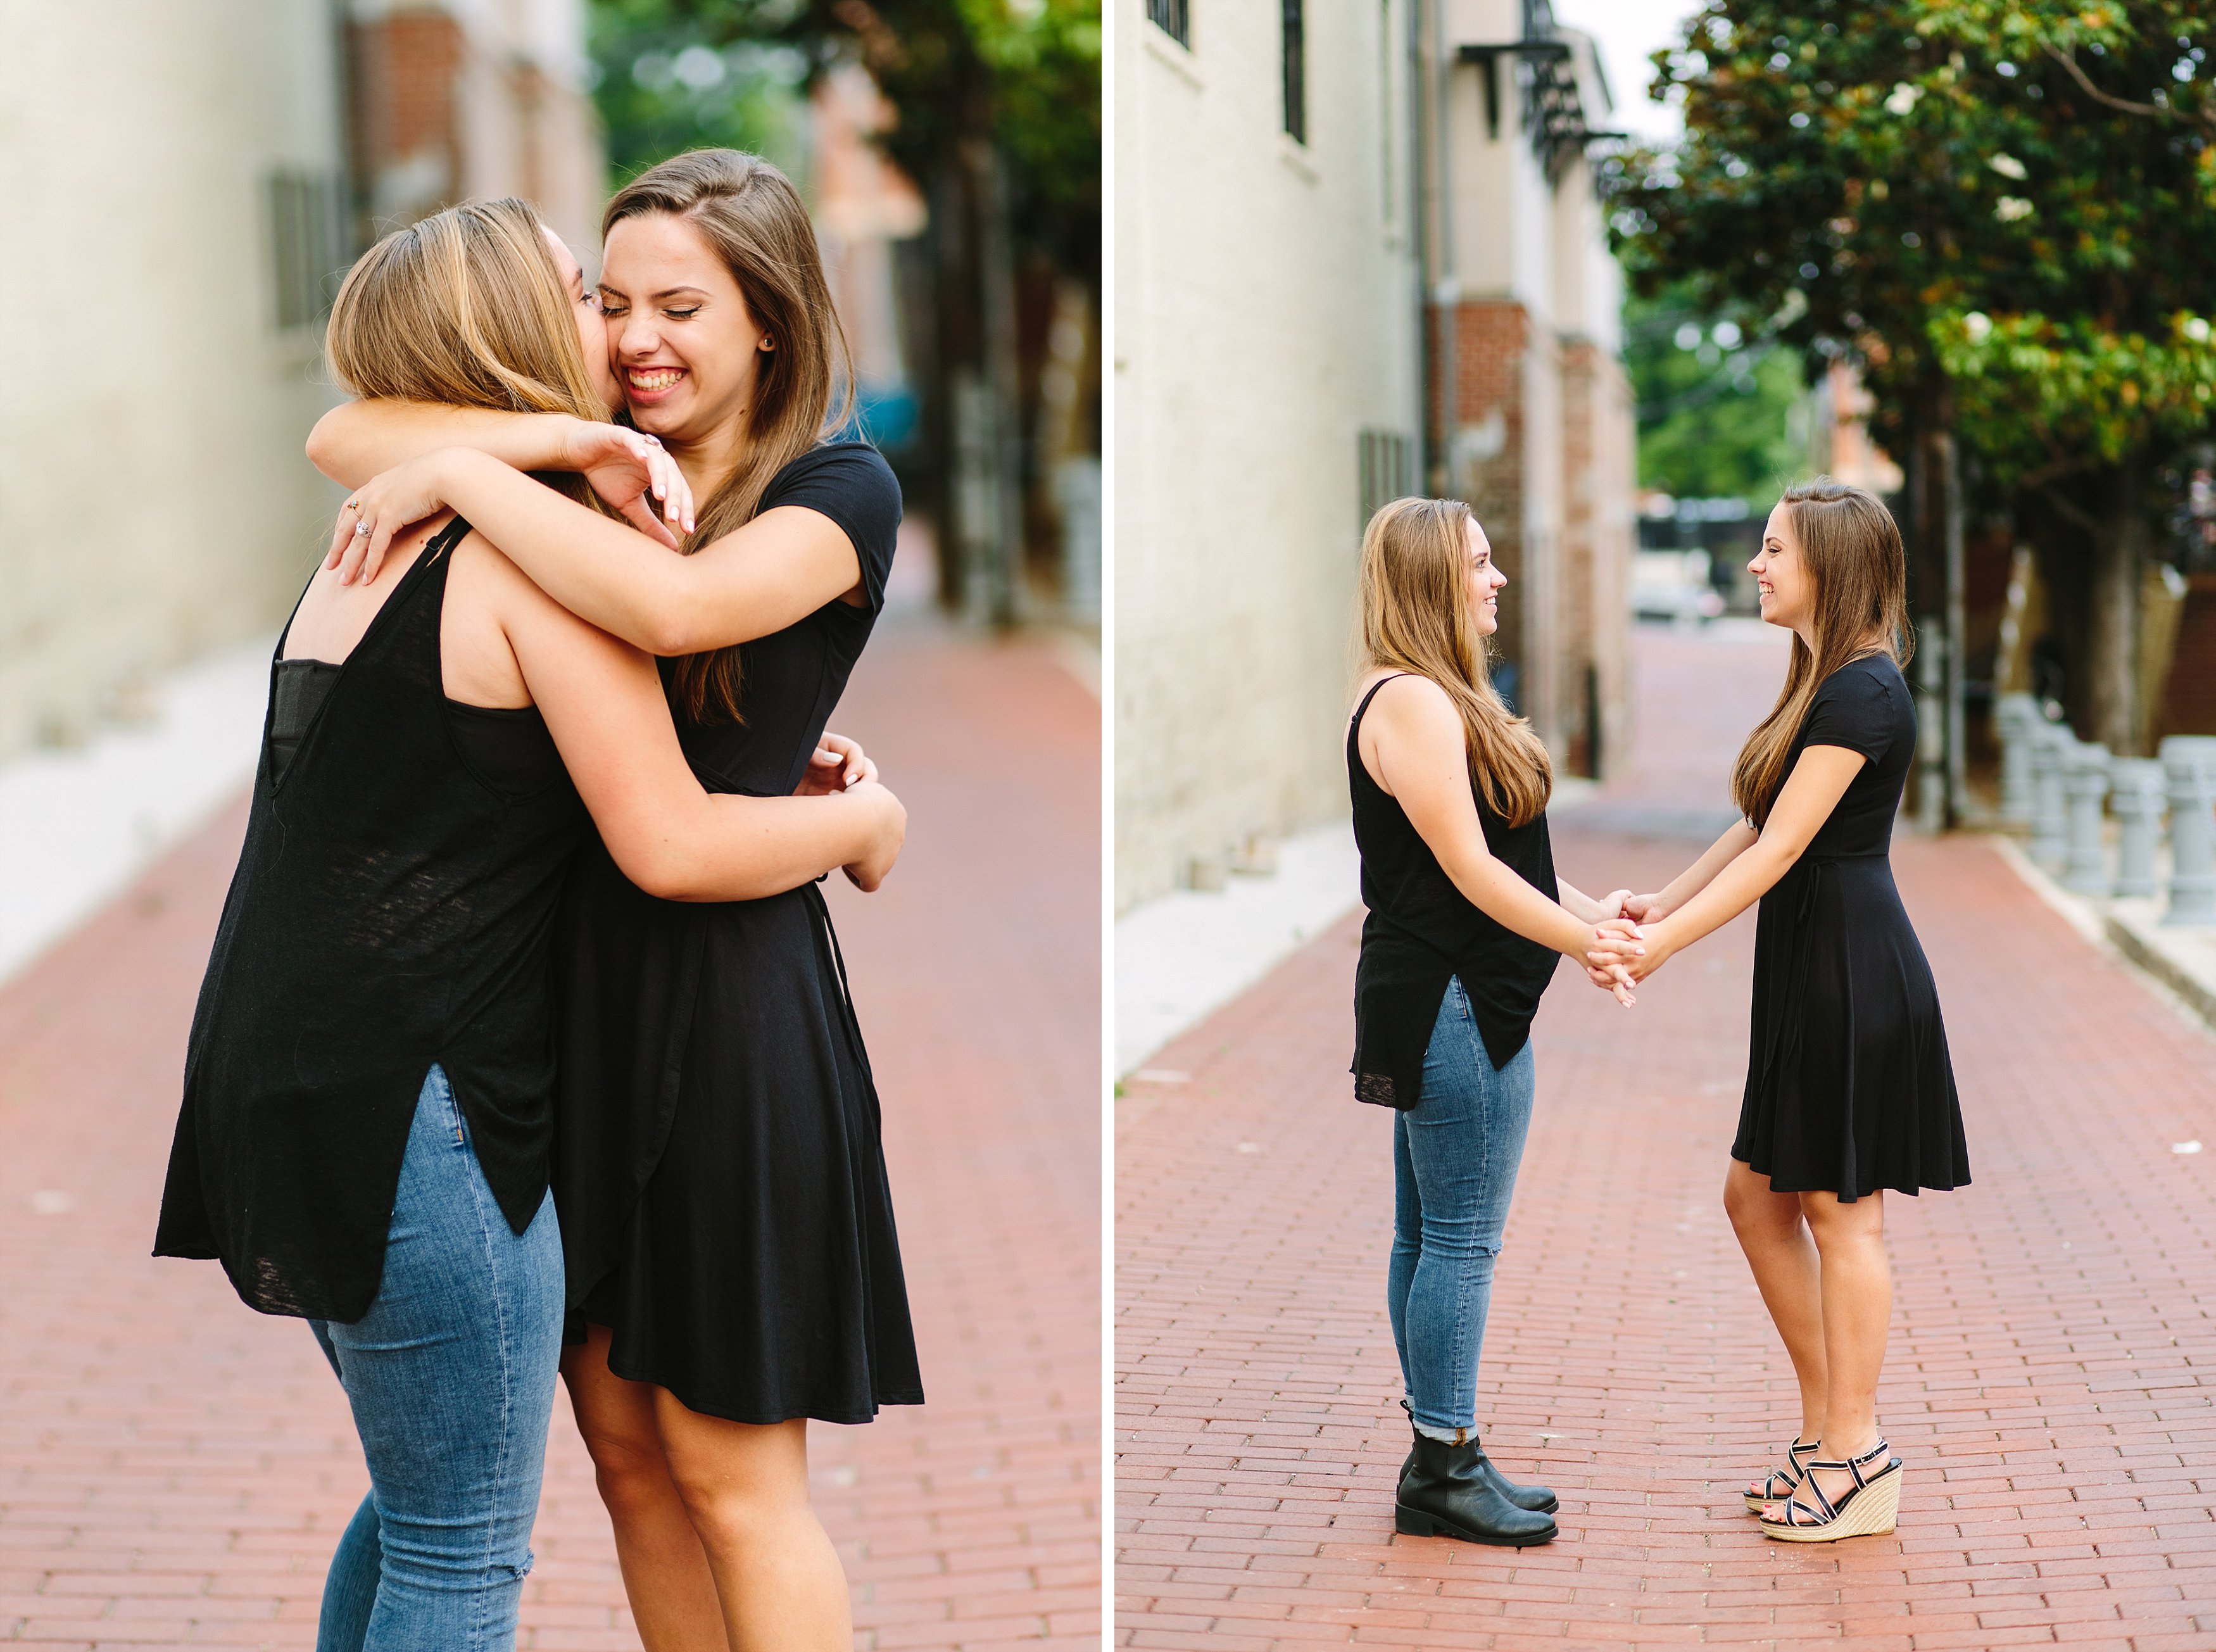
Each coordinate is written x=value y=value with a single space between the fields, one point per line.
x=1294 y=24
x=1173 y=18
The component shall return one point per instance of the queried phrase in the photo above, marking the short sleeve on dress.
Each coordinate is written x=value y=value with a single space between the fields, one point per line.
x=850 y=483
x=1854 y=708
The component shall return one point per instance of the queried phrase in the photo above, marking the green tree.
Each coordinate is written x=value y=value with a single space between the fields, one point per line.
x=1715 y=405
x=2000 y=211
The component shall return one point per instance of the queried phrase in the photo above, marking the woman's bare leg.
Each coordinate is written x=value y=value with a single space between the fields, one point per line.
x=1784 y=1261
x=1857 y=1293
x=665 y=1569
x=746 y=1487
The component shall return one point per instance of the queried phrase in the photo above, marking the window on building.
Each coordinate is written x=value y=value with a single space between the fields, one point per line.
x=1173 y=18
x=1384 y=459
x=1297 y=89
x=307 y=243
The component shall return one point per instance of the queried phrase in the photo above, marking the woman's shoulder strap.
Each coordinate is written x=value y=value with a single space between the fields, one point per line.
x=1372 y=694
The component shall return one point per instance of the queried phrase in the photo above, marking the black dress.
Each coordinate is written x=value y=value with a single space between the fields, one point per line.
x=719 y=1169
x=1849 y=1088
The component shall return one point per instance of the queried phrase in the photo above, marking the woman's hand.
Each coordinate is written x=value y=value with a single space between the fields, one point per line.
x=836 y=764
x=1610 y=956
x=380 y=508
x=1644 y=908
x=626 y=467
x=868 y=873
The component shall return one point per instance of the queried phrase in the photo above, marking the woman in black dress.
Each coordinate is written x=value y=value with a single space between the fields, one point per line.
x=732 y=1266
x=1848 y=1090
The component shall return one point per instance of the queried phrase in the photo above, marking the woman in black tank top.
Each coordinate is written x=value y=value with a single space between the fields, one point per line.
x=368 y=1099
x=734 y=1264
x=1466 y=921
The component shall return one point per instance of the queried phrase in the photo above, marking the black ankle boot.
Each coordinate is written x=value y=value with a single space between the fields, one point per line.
x=1451 y=1491
x=1539 y=1499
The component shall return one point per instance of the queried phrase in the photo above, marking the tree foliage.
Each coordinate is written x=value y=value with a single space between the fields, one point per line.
x=1024 y=75
x=1715 y=405
x=2008 y=203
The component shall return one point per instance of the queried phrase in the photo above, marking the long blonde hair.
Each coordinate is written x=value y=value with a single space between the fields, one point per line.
x=1416 y=617
x=466 y=308
x=1850 y=546
x=752 y=218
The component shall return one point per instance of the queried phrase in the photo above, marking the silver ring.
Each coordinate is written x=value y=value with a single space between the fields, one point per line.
x=359 y=529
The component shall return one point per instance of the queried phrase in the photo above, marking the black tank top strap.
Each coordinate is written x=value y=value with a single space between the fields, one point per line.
x=1354 y=725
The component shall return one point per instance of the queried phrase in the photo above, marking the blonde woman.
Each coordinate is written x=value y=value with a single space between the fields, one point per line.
x=733 y=1269
x=369 y=1085
x=1467 y=921
x=1849 y=1088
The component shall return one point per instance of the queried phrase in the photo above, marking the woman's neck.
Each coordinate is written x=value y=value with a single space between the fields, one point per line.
x=711 y=461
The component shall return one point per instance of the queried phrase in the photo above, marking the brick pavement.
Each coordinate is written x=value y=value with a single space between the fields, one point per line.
x=174 y=1468
x=2053 y=1349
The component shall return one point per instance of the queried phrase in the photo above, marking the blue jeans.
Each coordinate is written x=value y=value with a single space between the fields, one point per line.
x=1455 y=1158
x=450 y=1378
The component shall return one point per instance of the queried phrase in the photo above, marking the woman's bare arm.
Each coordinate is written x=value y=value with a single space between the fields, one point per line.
x=1738 y=838
x=1820 y=779
x=356 y=440
x=1423 y=762
x=773 y=572
x=604 y=705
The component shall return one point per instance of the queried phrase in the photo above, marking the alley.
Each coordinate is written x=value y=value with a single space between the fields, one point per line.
x=2049 y=1380
x=175 y=1470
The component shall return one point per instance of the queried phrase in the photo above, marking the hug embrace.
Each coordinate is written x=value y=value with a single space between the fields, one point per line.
x=525 y=1041
x=1849 y=1089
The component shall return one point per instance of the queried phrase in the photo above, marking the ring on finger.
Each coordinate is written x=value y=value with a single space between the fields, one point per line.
x=361 y=529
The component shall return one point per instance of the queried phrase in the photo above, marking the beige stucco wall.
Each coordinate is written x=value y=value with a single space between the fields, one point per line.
x=1265 y=316
x=161 y=505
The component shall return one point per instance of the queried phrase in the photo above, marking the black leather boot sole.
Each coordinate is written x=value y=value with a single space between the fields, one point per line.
x=1415 y=1523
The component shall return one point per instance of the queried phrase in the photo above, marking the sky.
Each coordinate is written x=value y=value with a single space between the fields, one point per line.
x=1628 y=30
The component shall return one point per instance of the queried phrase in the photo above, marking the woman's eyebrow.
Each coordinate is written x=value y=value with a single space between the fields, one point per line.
x=679 y=292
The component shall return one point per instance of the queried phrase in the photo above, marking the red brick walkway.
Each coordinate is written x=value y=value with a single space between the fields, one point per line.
x=2053 y=1353
x=174 y=1468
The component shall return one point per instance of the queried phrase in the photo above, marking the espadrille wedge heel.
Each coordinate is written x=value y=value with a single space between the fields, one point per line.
x=1808 y=1516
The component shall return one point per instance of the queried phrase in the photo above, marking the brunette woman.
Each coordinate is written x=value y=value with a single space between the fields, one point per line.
x=368 y=1099
x=733 y=1262
x=1849 y=1089
x=1467 y=920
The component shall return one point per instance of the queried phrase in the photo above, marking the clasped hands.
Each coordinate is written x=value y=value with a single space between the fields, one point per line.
x=1624 y=953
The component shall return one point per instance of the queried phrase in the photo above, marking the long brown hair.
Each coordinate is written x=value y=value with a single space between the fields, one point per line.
x=752 y=218
x=466 y=308
x=1850 y=546
x=1416 y=617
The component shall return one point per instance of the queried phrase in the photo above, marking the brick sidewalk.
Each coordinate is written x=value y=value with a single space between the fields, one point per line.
x=2049 y=1380
x=174 y=1468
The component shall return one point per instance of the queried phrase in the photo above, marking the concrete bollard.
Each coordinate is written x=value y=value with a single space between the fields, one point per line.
x=2085 y=778
x=2135 y=796
x=2050 y=746
x=2016 y=718
x=2187 y=771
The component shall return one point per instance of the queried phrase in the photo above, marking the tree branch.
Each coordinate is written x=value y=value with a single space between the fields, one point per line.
x=2069 y=61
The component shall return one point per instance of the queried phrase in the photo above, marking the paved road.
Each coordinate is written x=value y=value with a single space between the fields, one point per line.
x=175 y=1470
x=2053 y=1352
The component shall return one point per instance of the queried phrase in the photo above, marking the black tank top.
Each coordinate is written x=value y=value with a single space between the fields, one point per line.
x=393 y=907
x=1422 y=932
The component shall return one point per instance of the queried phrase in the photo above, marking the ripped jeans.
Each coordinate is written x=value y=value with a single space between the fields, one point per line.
x=1455 y=1158
x=451 y=1379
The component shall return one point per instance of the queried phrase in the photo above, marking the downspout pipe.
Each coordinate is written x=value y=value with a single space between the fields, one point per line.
x=1446 y=295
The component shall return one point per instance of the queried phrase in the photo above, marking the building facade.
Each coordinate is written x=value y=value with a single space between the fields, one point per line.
x=185 y=186
x=1360 y=253
x=1268 y=394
